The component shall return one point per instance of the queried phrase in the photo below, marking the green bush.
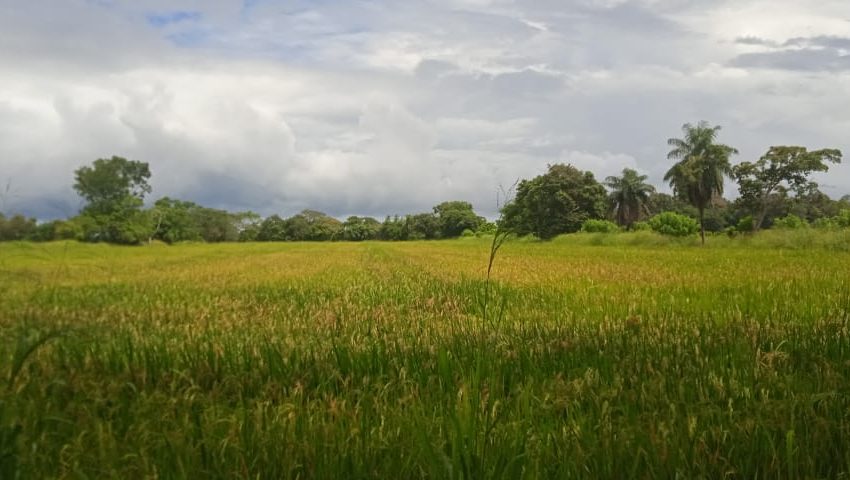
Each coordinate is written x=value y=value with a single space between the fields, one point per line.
x=641 y=227
x=673 y=224
x=790 y=222
x=599 y=226
x=486 y=228
x=745 y=224
x=467 y=233
x=842 y=220
x=825 y=223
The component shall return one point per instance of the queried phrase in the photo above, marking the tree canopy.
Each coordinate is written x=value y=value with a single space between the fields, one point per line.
x=783 y=169
x=555 y=203
x=455 y=217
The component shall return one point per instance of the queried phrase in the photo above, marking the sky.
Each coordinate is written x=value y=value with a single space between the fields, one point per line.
x=380 y=107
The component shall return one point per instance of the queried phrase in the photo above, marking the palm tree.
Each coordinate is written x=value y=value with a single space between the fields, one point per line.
x=700 y=168
x=629 y=196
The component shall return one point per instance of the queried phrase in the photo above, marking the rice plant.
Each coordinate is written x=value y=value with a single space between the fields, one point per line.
x=616 y=360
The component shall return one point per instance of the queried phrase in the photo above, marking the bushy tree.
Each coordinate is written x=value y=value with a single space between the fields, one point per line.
x=700 y=168
x=272 y=229
x=662 y=202
x=314 y=226
x=810 y=204
x=18 y=227
x=555 y=203
x=174 y=221
x=781 y=170
x=455 y=217
x=248 y=225
x=842 y=220
x=393 y=229
x=114 y=190
x=422 y=226
x=216 y=225
x=357 y=229
x=109 y=181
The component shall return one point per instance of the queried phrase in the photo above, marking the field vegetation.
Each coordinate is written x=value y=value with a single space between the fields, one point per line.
x=624 y=355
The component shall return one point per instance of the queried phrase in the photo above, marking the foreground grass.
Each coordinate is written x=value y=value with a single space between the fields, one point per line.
x=373 y=360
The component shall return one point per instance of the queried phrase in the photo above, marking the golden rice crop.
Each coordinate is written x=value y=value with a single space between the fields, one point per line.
x=374 y=360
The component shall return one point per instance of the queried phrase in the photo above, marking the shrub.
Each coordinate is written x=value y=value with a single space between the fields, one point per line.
x=486 y=228
x=599 y=226
x=842 y=220
x=673 y=224
x=745 y=224
x=467 y=233
x=790 y=222
x=825 y=223
x=641 y=227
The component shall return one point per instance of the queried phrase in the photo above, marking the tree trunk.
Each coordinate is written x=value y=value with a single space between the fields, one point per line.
x=156 y=230
x=702 y=224
x=758 y=222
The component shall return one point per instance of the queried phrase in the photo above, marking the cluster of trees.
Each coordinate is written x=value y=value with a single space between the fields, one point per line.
x=776 y=186
x=17 y=227
x=115 y=188
x=448 y=220
x=776 y=190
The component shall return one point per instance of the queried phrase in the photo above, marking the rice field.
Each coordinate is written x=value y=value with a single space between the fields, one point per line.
x=378 y=360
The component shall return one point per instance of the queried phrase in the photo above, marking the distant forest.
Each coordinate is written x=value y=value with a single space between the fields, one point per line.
x=776 y=191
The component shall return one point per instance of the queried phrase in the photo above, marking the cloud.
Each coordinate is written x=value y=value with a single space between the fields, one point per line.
x=805 y=54
x=392 y=107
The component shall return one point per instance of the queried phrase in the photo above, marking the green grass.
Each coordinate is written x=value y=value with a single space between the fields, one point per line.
x=630 y=356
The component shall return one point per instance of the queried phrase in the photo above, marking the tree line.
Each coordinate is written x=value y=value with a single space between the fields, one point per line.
x=775 y=190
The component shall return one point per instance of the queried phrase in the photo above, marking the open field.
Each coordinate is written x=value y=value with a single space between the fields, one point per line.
x=364 y=360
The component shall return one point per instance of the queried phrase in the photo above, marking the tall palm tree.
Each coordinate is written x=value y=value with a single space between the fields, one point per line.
x=701 y=165
x=629 y=196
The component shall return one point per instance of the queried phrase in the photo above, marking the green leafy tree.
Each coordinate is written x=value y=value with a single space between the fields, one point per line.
x=174 y=221
x=423 y=226
x=455 y=217
x=555 y=203
x=313 y=225
x=781 y=170
x=358 y=229
x=700 y=168
x=272 y=229
x=629 y=197
x=216 y=225
x=811 y=204
x=18 y=227
x=393 y=229
x=840 y=220
x=662 y=202
x=248 y=225
x=109 y=181
x=114 y=190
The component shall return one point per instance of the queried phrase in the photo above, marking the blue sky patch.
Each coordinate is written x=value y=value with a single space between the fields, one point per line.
x=168 y=18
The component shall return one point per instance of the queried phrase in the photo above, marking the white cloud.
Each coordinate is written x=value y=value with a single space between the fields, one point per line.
x=391 y=107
